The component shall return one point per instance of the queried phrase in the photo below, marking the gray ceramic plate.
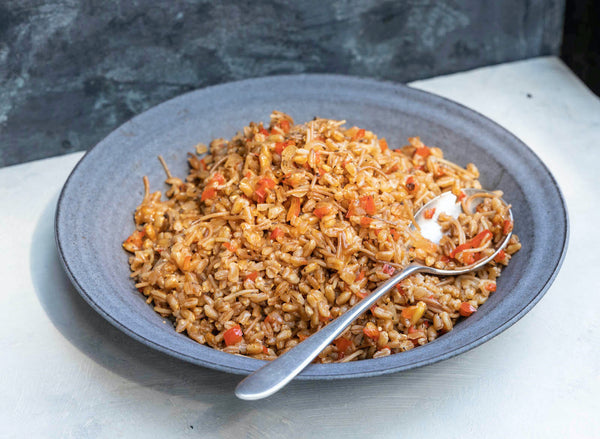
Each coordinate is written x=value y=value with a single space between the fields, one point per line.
x=94 y=213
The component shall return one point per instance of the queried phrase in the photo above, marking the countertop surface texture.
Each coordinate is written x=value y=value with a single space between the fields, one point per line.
x=65 y=372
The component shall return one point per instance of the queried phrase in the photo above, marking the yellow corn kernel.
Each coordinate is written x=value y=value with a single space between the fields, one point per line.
x=420 y=309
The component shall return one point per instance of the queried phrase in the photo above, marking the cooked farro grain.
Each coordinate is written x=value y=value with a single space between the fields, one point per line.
x=279 y=230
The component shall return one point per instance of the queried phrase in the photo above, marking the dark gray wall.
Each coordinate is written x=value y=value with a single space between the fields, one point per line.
x=71 y=72
x=581 y=41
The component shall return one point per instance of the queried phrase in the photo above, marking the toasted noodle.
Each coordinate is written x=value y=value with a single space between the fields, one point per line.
x=283 y=228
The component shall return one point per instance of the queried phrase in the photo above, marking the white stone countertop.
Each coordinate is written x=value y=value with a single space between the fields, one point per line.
x=67 y=373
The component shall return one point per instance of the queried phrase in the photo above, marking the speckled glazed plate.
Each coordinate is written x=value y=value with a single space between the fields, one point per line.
x=95 y=209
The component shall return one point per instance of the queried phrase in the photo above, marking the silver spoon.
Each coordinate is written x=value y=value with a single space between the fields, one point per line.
x=277 y=373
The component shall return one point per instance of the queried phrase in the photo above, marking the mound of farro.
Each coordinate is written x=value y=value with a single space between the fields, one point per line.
x=283 y=228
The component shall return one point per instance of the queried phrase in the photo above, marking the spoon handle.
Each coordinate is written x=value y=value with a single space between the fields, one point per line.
x=277 y=373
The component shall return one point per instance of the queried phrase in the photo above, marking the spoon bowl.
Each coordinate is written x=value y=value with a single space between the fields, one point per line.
x=277 y=373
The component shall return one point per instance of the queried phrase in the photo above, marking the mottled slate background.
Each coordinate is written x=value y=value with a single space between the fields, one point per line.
x=72 y=71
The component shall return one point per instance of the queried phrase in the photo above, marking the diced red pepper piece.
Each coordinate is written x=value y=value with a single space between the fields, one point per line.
x=279 y=147
x=322 y=318
x=360 y=276
x=233 y=335
x=276 y=233
x=410 y=184
x=365 y=221
x=371 y=331
x=469 y=258
x=210 y=190
x=388 y=269
x=461 y=196
x=490 y=286
x=401 y=289
x=394 y=168
x=208 y=193
x=263 y=131
x=472 y=243
x=423 y=151
x=318 y=158
x=466 y=309
x=285 y=125
x=367 y=202
x=322 y=211
x=252 y=275
x=294 y=209
x=266 y=182
x=218 y=178
x=500 y=256
x=359 y=134
x=480 y=237
x=261 y=194
x=351 y=211
x=265 y=350
x=136 y=238
x=231 y=246
x=395 y=234
x=383 y=145
x=342 y=344
x=429 y=213
x=261 y=188
x=507 y=226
